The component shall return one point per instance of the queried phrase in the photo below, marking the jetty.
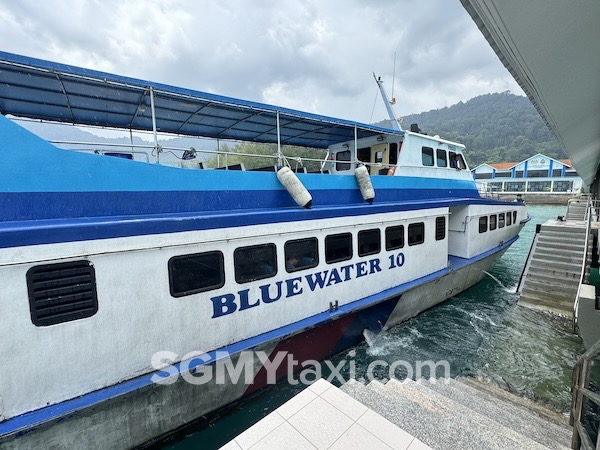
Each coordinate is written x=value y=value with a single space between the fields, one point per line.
x=408 y=415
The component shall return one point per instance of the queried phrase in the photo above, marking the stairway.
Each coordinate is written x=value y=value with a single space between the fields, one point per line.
x=463 y=414
x=552 y=272
x=576 y=209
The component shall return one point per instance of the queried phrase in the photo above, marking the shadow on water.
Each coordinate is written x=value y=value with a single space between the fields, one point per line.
x=480 y=333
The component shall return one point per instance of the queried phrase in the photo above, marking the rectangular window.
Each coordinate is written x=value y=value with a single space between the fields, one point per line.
x=338 y=247
x=483 y=224
x=515 y=217
x=255 y=262
x=340 y=158
x=369 y=242
x=440 y=228
x=492 y=222
x=427 y=156
x=301 y=254
x=190 y=274
x=501 y=220
x=483 y=176
x=393 y=158
x=441 y=157
x=363 y=154
x=394 y=237
x=416 y=233
x=508 y=219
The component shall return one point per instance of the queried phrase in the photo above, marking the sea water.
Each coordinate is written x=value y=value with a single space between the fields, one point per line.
x=480 y=333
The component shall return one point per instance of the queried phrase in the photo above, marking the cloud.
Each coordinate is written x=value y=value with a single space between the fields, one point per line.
x=311 y=55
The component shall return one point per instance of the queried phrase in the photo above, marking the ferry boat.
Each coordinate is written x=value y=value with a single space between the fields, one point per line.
x=124 y=279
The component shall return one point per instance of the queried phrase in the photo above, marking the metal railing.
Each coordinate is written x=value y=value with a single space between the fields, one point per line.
x=487 y=191
x=580 y=393
x=589 y=214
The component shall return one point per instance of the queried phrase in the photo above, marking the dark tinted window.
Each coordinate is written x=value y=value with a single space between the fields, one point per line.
x=440 y=228
x=501 y=220
x=514 y=217
x=338 y=247
x=393 y=157
x=441 y=157
x=427 y=156
x=364 y=154
x=416 y=233
x=301 y=254
x=340 y=157
x=189 y=274
x=508 y=219
x=483 y=224
x=493 y=222
x=369 y=242
x=255 y=262
x=394 y=237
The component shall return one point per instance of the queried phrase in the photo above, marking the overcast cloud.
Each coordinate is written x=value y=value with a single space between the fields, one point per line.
x=311 y=55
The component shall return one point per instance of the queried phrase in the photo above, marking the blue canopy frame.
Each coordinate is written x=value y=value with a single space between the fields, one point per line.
x=46 y=90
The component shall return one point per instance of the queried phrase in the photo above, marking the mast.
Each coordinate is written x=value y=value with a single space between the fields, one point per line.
x=388 y=103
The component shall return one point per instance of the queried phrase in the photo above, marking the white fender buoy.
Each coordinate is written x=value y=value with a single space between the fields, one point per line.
x=294 y=186
x=364 y=183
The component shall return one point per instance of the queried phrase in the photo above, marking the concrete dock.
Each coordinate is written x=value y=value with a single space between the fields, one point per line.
x=324 y=417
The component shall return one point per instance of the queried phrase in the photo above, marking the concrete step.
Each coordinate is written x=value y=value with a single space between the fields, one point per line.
x=562 y=244
x=555 y=266
x=548 y=296
x=557 y=286
x=558 y=308
x=543 y=281
x=549 y=273
x=471 y=429
x=540 y=410
x=574 y=257
x=508 y=411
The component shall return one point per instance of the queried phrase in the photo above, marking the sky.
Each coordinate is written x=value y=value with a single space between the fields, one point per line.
x=310 y=55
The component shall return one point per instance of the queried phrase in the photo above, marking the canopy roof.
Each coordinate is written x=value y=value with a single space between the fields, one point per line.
x=551 y=49
x=51 y=91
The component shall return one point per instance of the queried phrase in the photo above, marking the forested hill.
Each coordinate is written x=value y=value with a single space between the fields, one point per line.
x=494 y=127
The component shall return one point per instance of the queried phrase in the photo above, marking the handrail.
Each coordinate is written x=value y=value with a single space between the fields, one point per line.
x=151 y=148
x=579 y=394
x=588 y=227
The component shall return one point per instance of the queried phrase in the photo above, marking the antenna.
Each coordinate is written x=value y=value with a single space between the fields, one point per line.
x=388 y=104
x=393 y=100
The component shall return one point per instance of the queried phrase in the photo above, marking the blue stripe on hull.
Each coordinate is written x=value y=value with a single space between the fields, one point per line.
x=63 y=205
x=34 y=232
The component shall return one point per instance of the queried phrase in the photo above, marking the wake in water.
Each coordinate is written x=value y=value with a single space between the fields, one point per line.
x=512 y=290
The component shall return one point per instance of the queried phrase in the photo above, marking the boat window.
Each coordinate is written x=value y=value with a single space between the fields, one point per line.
x=255 y=262
x=515 y=217
x=501 y=220
x=440 y=228
x=364 y=154
x=190 y=274
x=393 y=157
x=340 y=157
x=508 y=219
x=493 y=222
x=61 y=292
x=394 y=237
x=442 y=158
x=483 y=224
x=461 y=162
x=301 y=254
x=427 y=156
x=416 y=233
x=369 y=242
x=338 y=247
